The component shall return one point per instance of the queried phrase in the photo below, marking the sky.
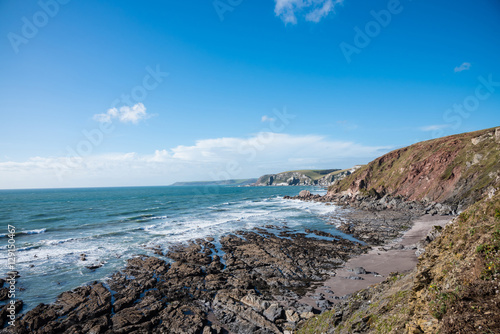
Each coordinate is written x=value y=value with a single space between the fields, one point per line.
x=143 y=93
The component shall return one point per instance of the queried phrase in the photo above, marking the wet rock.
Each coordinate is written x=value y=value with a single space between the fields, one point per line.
x=12 y=274
x=4 y=294
x=94 y=266
x=5 y=312
x=241 y=292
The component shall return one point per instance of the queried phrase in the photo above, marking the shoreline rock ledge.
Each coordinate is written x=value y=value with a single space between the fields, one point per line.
x=252 y=284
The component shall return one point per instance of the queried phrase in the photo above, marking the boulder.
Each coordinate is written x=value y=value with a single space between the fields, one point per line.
x=304 y=194
x=292 y=316
x=4 y=312
x=359 y=271
x=253 y=301
x=4 y=294
x=306 y=315
x=273 y=312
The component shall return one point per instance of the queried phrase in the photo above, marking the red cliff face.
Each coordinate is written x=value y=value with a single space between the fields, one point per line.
x=454 y=169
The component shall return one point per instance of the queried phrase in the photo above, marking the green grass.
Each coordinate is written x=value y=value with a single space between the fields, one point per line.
x=318 y=324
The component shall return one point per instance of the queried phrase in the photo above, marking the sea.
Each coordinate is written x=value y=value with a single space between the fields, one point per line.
x=110 y=225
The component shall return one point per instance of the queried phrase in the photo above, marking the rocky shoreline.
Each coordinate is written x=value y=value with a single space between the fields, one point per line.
x=248 y=282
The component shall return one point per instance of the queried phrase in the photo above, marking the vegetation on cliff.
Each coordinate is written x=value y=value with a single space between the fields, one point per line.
x=454 y=170
x=455 y=287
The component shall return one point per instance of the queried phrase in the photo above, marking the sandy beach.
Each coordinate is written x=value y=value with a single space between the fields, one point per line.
x=397 y=256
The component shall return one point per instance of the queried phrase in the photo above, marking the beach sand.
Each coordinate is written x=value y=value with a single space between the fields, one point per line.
x=378 y=262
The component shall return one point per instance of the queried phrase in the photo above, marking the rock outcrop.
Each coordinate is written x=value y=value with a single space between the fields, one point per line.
x=251 y=284
x=454 y=288
x=456 y=170
x=322 y=178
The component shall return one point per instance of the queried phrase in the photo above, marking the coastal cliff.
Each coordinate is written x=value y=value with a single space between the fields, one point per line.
x=322 y=178
x=266 y=280
x=455 y=287
x=456 y=170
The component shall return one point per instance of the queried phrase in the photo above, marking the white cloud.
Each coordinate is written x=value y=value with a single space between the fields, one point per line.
x=312 y=10
x=317 y=14
x=266 y=118
x=125 y=114
x=434 y=127
x=207 y=159
x=463 y=67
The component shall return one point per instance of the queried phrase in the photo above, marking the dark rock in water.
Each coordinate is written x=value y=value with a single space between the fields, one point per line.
x=12 y=274
x=359 y=271
x=4 y=312
x=79 y=311
x=262 y=275
x=4 y=294
x=356 y=278
x=94 y=266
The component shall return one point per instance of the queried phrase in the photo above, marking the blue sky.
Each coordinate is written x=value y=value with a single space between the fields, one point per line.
x=175 y=91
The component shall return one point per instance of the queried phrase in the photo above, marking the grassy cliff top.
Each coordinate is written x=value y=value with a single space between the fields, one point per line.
x=451 y=169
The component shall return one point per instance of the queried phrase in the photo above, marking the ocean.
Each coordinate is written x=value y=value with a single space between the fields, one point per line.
x=110 y=225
